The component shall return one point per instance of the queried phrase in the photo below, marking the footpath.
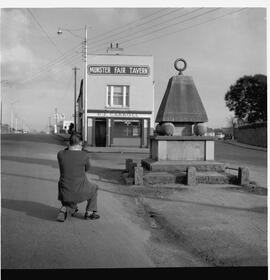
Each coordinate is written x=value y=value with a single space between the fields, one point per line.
x=234 y=142
x=224 y=225
x=146 y=150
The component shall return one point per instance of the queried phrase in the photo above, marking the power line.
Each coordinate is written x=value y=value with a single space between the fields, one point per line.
x=44 y=31
x=58 y=61
x=167 y=26
x=173 y=24
x=58 y=64
x=51 y=68
x=61 y=58
x=148 y=27
x=201 y=23
x=127 y=26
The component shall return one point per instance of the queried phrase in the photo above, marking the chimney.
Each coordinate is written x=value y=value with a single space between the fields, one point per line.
x=115 y=50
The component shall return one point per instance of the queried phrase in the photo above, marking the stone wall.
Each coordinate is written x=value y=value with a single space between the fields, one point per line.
x=252 y=134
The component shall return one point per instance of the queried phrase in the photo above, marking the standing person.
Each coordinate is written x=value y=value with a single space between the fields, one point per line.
x=73 y=185
x=71 y=128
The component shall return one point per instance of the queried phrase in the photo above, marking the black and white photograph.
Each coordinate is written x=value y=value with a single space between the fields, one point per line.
x=134 y=137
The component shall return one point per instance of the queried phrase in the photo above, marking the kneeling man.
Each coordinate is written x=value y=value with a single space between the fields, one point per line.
x=73 y=185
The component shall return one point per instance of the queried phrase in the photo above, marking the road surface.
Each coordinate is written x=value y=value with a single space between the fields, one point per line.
x=31 y=236
x=235 y=156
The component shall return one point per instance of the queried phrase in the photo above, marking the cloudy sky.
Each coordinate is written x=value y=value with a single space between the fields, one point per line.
x=220 y=44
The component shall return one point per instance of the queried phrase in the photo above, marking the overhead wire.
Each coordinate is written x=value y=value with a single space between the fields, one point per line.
x=53 y=63
x=49 y=66
x=128 y=24
x=173 y=24
x=169 y=25
x=131 y=34
x=127 y=27
x=49 y=69
x=60 y=60
x=198 y=24
x=44 y=31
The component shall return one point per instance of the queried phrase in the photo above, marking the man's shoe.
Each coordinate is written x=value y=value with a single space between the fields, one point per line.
x=62 y=215
x=92 y=216
x=74 y=211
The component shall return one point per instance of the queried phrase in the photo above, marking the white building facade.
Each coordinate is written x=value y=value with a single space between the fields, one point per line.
x=120 y=100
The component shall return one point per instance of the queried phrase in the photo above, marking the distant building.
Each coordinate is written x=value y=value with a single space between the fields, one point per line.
x=120 y=97
x=210 y=132
x=5 y=129
x=64 y=125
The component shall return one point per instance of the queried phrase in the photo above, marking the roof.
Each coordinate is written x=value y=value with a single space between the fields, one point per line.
x=181 y=102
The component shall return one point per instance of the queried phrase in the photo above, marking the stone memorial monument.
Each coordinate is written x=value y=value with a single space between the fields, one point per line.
x=179 y=141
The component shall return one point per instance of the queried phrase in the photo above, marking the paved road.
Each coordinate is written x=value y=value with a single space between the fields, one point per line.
x=31 y=236
x=236 y=156
x=232 y=155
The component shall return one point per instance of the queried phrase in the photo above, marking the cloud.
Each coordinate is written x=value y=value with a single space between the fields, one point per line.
x=18 y=61
x=14 y=27
x=118 y=16
x=15 y=53
x=18 y=54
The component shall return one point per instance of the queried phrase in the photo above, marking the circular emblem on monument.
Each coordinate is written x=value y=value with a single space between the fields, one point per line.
x=178 y=68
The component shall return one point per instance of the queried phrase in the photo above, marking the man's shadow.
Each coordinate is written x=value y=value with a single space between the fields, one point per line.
x=34 y=209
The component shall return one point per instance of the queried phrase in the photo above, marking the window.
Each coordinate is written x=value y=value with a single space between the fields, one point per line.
x=117 y=96
x=127 y=128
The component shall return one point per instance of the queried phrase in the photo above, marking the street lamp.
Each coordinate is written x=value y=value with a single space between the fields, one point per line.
x=60 y=32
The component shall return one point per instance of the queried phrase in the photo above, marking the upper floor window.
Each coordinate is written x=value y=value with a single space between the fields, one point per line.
x=117 y=96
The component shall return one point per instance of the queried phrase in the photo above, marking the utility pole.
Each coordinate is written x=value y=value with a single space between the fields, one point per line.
x=56 y=120
x=49 y=125
x=12 y=116
x=16 y=124
x=75 y=96
x=85 y=87
x=1 y=115
x=84 y=130
x=11 y=120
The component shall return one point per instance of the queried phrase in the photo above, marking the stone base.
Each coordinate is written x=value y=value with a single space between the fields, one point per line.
x=214 y=177
x=206 y=177
x=181 y=165
x=153 y=178
x=182 y=148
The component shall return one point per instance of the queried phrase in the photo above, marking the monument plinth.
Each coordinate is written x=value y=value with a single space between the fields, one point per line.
x=181 y=148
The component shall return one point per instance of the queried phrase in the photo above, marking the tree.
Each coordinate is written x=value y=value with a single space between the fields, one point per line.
x=248 y=98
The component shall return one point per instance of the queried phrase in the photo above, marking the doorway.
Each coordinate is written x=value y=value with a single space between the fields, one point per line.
x=100 y=132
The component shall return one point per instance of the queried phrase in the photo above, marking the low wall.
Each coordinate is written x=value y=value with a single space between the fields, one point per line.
x=252 y=134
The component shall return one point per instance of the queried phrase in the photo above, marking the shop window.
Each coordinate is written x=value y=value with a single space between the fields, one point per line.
x=117 y=96
x=127 y=128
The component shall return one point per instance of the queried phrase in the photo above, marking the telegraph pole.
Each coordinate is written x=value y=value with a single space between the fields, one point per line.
x=16 y=124
x=75 y=96
x=49 y=125
x=11 y=120
x=85 y=87
x=56 y=120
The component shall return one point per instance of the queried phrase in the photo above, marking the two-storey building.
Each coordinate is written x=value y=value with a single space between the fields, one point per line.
x=120 y=100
